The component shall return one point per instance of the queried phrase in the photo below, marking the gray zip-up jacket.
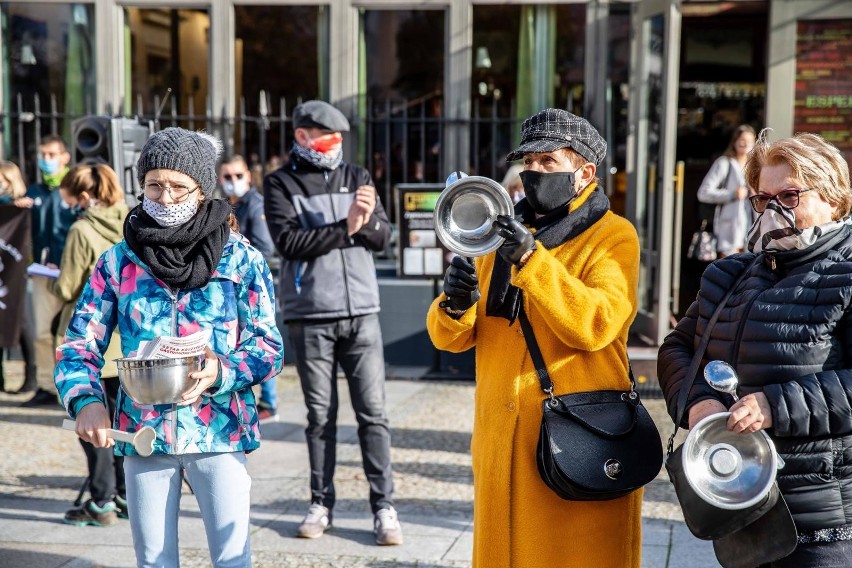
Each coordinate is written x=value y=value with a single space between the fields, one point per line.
x=325 y=273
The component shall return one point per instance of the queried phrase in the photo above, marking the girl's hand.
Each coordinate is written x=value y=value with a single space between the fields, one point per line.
x=205 y=377
x=92 y=425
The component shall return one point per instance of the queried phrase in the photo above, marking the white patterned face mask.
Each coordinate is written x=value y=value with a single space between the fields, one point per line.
x=775 y=231
x=170 y=215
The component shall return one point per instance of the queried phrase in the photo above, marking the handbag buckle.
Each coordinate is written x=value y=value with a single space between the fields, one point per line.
x=613 y=469
x=632 y=397
x=551 y=399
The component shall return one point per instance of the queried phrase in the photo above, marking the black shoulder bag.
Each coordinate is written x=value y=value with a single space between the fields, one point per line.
x=593 y=445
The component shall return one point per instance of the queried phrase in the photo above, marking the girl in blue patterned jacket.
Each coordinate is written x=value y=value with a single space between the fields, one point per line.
x=179 y=270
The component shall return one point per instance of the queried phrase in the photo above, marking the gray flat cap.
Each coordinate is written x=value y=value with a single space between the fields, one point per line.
x=319 y=114
x=552 y=129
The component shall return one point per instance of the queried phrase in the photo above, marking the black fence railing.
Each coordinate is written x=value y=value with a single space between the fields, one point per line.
x=399 y=141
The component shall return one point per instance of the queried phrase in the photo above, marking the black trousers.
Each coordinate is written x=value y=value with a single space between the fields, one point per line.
x=28 y=354
x=106 y=470
x=356 y=345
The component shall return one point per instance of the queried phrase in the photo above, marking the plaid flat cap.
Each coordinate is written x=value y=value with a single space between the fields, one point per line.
x=552 y=129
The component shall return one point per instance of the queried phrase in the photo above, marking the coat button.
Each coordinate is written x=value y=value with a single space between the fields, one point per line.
x=511 y=406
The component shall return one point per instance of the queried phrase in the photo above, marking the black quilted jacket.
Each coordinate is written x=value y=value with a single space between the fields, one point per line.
x=787 y=330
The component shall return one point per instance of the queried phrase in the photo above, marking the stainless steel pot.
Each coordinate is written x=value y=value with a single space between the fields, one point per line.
x=726 y=469
x=465 y=214
x=157 y=381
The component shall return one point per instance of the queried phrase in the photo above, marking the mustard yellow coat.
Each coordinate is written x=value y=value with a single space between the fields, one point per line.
x=581 y=299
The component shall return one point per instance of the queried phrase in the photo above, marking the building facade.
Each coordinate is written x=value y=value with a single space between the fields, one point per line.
x=439 y=85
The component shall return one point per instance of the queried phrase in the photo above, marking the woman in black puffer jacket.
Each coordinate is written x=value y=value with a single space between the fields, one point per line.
x=787 y=330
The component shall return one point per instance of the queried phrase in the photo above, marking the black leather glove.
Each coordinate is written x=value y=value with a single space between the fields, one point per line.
x=460 y=285
x=519 y=241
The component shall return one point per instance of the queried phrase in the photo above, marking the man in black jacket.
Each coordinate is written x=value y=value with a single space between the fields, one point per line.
x=325 y=218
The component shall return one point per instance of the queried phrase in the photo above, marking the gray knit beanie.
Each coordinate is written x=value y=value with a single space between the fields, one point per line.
x=192 y=153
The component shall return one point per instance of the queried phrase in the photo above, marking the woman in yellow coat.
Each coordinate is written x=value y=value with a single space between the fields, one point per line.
x=575 y=270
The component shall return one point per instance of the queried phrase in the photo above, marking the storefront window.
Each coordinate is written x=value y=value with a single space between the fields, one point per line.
x=286 y=76
x=169 y=49
x=618 y=89
x=525 y=58
x=48 y=69
x=402 y=78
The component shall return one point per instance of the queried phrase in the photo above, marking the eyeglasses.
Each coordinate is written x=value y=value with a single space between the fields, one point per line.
x=788 y=199
x=229 y=177
x=177 y=192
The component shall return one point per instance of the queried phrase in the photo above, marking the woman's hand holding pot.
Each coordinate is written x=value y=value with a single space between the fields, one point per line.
x=750 y=414
x=703 y=409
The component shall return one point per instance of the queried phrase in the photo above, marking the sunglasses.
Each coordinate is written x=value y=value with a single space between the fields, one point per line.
x=230 y=177
x=788 y=199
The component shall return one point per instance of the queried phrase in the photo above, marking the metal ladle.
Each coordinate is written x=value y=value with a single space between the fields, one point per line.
x=142 y=440
x=722 y=377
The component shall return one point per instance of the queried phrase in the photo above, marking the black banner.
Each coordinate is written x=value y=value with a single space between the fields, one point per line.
x=15 y=244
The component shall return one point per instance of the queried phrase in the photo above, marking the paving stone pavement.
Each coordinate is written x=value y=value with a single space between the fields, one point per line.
x=43 y=468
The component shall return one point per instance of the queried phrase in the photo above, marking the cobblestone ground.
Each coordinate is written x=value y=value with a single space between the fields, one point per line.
x=431 y=466
x=431 y=459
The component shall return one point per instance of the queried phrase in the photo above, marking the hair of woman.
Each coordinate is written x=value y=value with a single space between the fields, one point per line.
x=12 y=174
x=98 y=180
x=731 y=150
x=815 y=163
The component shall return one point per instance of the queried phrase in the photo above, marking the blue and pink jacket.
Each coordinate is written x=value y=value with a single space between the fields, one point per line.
x=238 y=304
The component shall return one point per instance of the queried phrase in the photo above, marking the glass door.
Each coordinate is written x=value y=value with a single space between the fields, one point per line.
x=652 y=202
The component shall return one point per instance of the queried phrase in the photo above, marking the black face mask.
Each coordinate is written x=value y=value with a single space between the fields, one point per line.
x=546 y=192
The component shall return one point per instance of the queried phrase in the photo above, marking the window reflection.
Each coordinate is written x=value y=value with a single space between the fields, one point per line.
x=403 y=77
x=169 y=49
x=525 y=58
x=49 y=61
x=618 y=87
x=286 y=76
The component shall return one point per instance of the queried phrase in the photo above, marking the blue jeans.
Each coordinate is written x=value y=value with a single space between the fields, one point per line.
x=269 y=392
x=356 y=345
x=221 y=485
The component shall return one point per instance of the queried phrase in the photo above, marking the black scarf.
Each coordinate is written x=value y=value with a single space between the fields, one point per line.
x=184 y=256
x=552 y=230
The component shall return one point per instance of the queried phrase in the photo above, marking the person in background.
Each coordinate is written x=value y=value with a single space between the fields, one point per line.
x=13 y=193
x=325 y=218
x=725 y=187
x=95 y=190
x=180 y=269
x=52 y=218
x=572 y=266
x=235 y=179
x=787 y=331
x=512 y=182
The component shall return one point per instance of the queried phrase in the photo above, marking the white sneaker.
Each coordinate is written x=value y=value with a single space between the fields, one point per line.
x=387 y=528
x=316 y=522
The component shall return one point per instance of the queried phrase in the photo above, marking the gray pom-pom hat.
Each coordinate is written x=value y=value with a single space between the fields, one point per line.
x=192 y=153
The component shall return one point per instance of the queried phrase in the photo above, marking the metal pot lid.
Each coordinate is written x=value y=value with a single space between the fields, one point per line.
x=726 y=469
x=465 y=214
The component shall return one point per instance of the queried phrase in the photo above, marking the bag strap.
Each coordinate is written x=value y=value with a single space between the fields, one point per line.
x=698 y=356
x=540 y=366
